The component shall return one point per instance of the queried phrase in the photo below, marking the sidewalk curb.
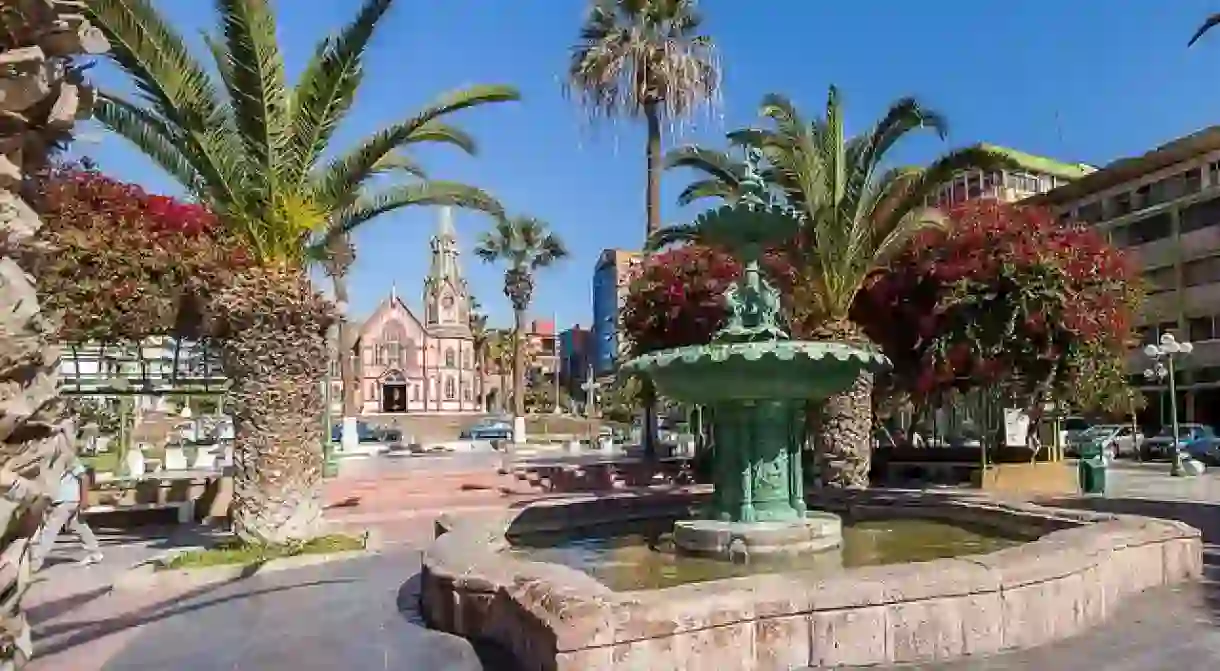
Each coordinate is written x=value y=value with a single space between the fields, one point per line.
x=147 y=575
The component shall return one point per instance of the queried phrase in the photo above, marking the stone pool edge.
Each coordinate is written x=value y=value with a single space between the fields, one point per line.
x=555 y=617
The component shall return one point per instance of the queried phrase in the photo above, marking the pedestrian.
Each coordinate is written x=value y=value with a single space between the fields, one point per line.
x=65 y=511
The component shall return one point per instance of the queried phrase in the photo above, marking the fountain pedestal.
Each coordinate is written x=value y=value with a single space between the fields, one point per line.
x=756 y=382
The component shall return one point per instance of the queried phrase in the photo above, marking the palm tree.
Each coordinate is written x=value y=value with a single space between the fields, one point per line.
x=480 y=338
x=500 y=354
x=524 y=246
x=644 y=58
x=250 y=146
x=858 y=217
x=45 y=94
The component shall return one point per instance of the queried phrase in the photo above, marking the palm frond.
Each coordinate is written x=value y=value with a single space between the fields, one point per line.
x=1211 y=22
x=429 y=193
x=633 y=55
x=257 y=91
x=708 y=188
x=150 y=135
x=341 y=176
x=327 y=89
x=677 y=234
x=175 y=85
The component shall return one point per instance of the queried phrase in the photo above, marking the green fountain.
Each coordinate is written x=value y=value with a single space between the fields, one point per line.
x=756 y=381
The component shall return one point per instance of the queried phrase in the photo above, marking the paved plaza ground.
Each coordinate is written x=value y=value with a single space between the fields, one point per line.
x=361 y=614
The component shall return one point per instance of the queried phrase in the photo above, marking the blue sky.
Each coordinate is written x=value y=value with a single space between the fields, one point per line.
x=1078 y=81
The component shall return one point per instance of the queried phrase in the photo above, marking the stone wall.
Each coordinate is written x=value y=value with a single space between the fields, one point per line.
x=1057 y=586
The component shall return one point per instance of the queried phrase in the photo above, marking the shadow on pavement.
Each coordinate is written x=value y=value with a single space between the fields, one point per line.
x=79 y=633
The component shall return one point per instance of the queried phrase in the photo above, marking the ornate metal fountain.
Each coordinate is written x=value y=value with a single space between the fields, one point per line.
x=757 y=382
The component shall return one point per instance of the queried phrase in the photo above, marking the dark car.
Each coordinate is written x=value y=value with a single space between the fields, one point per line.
x=1161 y=445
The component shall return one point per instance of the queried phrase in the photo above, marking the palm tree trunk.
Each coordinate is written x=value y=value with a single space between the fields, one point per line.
x=275 y=359
x=652 y=200
x=842 y=425
x=518 y=364
x=35 y=441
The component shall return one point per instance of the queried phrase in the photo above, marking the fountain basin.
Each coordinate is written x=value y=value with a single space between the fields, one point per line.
x=1073 y=576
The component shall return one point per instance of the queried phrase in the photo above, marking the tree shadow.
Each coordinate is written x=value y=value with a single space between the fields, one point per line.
x=92 y=630
x=492 y=656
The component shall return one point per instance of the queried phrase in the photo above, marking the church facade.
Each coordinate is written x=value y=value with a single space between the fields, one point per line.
x=426 y=366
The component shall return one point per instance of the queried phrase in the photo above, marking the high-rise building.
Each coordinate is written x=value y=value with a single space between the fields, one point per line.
x=574 y=359
x=611 y=276
x=1034 y=175
x=1164 y=207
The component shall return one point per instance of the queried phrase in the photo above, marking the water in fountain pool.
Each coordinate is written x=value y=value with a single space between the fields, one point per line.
x=641 y=555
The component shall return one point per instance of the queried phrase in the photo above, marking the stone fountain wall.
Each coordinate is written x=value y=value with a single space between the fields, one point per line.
x=555 y=618
x=41 y=98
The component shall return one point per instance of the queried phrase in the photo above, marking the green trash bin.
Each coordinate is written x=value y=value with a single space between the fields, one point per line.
x=1092 y=469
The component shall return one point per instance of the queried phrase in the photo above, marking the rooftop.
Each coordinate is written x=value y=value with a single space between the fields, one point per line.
x=1132 y=168
x=1041 y=164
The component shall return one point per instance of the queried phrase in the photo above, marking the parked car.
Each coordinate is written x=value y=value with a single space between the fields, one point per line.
x=1073 y=427
x=365 y=433
x=1161 y=445
x=1117 y=440
x=1206 y=450
x=488 y=430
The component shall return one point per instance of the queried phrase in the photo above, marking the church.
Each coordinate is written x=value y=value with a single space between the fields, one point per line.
x=409 y=365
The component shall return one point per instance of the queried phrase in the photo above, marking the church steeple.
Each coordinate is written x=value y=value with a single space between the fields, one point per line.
x=446 y=299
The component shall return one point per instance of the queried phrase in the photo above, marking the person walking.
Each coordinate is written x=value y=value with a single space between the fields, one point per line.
x=65 y=511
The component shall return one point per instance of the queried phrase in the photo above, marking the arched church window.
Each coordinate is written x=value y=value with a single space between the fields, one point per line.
x=466 y=391
x=450 y=358
x=379 y=355
x=450 y=390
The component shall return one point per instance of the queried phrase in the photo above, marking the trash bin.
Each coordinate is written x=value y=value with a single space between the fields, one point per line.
x=1092 y=469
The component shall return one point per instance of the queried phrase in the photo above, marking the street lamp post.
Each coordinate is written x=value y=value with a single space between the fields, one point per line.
x=1162 y=356
x=329 y=467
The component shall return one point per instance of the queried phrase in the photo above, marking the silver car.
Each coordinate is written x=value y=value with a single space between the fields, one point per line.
x=1117 y=440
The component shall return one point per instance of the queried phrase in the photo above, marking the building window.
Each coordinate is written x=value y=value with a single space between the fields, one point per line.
x=1199 y=216
x=379 y=355
x=450 y=358
x=1159 y=280
x=450 y=389
x=466 y=396
x=1193 y=180
x=1120 y=204
x=1202 y=328
x=1153 y=228
x=373 y=391
x=1201 y=271
x=1090 y=213
x=1213 y=173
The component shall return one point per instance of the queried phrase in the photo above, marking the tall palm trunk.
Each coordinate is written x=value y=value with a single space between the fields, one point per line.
x=652 y=200
x=274 y=353
x=35 y=442
x=843 y=423
x=518 y=363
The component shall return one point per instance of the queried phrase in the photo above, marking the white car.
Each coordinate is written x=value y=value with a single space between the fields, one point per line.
x=1117 y=440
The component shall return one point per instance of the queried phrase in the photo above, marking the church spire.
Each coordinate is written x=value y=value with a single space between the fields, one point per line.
x=446 y=299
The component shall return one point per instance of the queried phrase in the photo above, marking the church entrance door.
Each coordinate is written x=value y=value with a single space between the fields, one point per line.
x=394 y=393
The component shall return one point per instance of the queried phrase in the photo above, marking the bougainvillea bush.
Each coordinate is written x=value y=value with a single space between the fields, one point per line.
x=676 y=296
x=118 y=263
x=1006 y=294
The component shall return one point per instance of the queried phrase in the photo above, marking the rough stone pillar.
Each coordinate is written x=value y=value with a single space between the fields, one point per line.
x=41 y=98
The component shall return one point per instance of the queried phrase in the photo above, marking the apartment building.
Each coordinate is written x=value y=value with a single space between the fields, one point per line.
x=1033 y=175
x=1164 y=207
x=611 y=277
